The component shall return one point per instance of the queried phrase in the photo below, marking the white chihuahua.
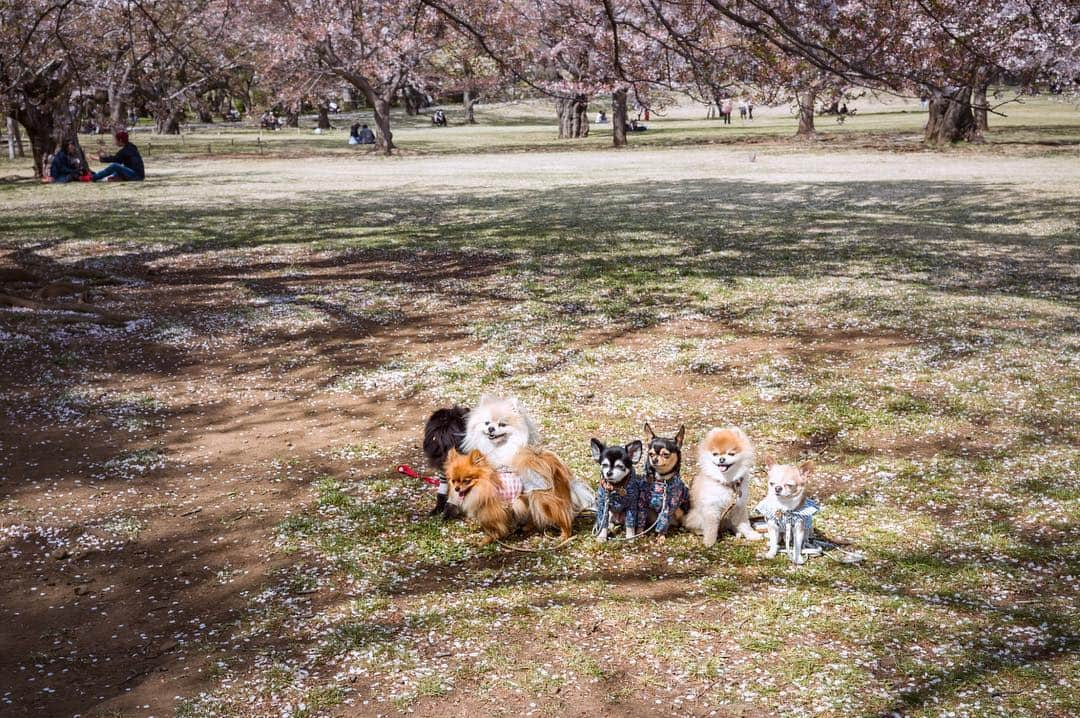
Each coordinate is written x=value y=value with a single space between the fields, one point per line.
x=788 y=511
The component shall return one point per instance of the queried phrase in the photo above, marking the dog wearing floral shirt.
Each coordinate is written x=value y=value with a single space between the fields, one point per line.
x=666 y=499
x=619 y=495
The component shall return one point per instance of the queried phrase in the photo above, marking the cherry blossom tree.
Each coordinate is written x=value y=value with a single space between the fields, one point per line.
x=949 y=49
x=377 y=46
x=42 y=45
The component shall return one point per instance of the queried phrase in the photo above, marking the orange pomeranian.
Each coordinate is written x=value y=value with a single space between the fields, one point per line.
x=502 y=430
x=484 y=497
x=546 y=507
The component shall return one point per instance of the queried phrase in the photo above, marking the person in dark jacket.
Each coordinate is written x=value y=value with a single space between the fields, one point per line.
x=366 y=136
x=65 y=165
x=126 y=164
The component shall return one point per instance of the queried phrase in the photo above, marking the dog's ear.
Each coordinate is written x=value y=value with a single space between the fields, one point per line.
x=634 y=450
x=649 y=433
x=770 y=461
x=597 y=449
x=681 y=435
x=452 y=455
x=806 y=468
x=476 y=456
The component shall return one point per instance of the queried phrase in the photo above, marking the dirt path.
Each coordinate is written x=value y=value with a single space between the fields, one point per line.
x=142 y=474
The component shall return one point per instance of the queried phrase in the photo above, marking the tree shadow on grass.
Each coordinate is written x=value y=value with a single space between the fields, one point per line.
x=952 y=236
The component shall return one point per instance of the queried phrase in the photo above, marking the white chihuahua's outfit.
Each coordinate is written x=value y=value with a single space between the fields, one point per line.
x=791 y=525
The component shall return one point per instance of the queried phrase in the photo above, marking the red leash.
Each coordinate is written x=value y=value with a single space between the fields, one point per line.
x=414 y=474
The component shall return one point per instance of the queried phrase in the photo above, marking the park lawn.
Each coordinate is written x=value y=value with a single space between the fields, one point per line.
x=906 y=320
x=1032 y=125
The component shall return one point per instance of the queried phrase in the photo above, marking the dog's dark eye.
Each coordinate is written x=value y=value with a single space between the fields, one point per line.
x=716 y=453
x=502 y=423
x=731 y=453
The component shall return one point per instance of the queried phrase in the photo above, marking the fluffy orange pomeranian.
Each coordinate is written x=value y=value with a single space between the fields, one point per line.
x=502 y=430
x=483 y=495
x=553 y=507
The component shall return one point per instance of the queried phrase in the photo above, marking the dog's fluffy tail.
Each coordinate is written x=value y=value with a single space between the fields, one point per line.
x=547 y=484
x=582 y=496
x=444 y=431
x=693 y=521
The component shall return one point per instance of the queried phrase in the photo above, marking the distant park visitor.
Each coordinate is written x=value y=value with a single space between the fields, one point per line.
x=126 y=164
x=361 y=135
x=66 y=165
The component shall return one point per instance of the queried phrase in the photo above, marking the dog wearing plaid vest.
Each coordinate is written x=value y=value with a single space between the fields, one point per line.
x=789 y=513
x=618 y=496
x=666 y=499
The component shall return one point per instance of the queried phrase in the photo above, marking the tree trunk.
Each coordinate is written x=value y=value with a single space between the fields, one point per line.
x=982 y=113
x=618 y=117
x=414 y=100
x=117 y=115
x=470 y=102
x=167 y=122
x=324 y=116
x=39 y=124
x=15 y=144
x=385 y=138
x=573 y=116
x=951 y=118
x=805 y=100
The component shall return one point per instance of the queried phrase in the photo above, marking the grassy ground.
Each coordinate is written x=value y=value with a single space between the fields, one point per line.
x=1030 y=125
x=200 y=515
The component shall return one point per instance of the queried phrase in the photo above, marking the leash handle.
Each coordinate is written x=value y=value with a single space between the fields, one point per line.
x=414 y=474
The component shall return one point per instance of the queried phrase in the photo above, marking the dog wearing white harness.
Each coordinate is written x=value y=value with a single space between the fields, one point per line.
x=502 y=430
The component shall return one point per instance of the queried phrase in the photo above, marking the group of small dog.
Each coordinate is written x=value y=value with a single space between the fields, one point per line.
x=495 y=472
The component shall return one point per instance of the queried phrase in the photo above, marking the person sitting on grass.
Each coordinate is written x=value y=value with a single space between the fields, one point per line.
x=366 y=136
x=66 y=165
x=126 y=164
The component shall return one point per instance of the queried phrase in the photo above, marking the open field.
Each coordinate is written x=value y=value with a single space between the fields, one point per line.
x=199 y=514
x=1035 y=125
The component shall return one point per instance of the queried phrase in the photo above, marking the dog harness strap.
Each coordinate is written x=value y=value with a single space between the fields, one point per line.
x=511 y=484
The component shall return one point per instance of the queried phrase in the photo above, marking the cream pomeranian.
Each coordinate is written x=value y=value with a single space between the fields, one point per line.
x=720 y=491
x=502 y=430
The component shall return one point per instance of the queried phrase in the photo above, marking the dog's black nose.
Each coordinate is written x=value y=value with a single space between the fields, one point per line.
x=779 y=489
